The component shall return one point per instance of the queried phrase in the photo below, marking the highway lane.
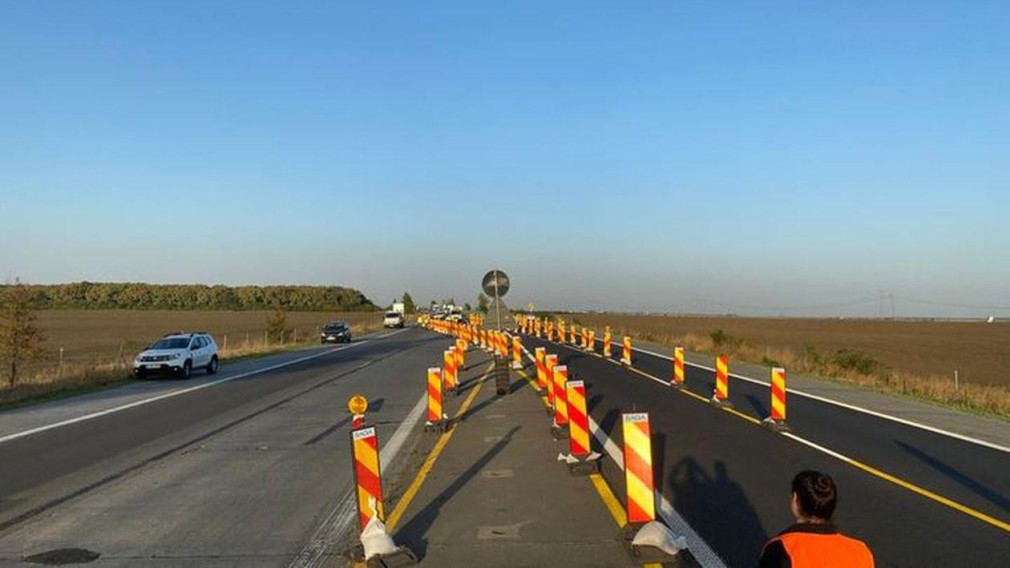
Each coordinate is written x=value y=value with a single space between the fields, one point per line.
x=244 y=469
x=971 y=474
x=729 y=478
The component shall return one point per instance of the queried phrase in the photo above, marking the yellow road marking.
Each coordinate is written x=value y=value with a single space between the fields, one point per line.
x=614 y=506
x=929 y=494
x=536 y=387
x=609 y=499
x=429 y=462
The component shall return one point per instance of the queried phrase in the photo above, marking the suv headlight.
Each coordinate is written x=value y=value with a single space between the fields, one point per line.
x=175 y=355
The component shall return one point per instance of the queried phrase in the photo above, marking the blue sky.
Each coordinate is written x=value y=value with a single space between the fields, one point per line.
x=660 y=155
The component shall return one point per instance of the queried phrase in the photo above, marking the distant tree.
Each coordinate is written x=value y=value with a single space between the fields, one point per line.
x=483 y=303
x=141 y=296
x=467 y=307
x=277 y=325
x=20 y=338
x=408 y=303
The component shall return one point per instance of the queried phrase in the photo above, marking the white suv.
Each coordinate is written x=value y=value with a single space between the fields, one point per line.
x=178 y=353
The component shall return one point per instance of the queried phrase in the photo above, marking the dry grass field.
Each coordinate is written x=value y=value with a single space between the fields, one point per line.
x=910 y=357
x=978 y=350
x=99 y=345
x=95 y=336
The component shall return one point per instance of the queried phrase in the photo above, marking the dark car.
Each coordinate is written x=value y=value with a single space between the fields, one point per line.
x=335 y=332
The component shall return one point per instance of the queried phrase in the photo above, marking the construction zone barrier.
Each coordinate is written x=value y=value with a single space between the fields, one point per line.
x=626 y=351
x=517 y=353
x=449 y=370
x=560 y=382
x=574 y=337
x=581 y=460
x=482 y=333
x=650 y=540
x=720 y=396
x=678 y=367
x=561 y=331
x=607 y=339
x=591 y=341
x=436 y=417
x=375 y=541
x=461 y=346
x=640 y=490
x=367 y=478
x=550 y=361
x=538 y=355
x=777 y=420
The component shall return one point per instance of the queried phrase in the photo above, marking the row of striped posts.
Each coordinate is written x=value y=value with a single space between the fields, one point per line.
x=586 y=339
x=567 y=403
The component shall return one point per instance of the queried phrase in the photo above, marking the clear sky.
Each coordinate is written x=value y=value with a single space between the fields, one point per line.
x=674 y=155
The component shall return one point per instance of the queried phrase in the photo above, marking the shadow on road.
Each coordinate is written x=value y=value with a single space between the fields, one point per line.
x=987 y=493
x=412 y=534
x=719 y=510
x=760 y=409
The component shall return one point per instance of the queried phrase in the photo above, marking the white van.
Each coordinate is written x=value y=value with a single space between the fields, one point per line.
x=393 y=319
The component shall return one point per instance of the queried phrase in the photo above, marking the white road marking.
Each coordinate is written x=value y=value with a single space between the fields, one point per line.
x=171 y=394
x=700 y=549
x=339 y=520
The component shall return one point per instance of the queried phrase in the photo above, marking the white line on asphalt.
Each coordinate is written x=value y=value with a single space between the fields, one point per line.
x=700 y=549
x=340 y=518
x=845 y=405
x=171 y=394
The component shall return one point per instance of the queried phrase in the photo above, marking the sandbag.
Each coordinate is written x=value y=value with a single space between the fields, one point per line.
x=657 y=535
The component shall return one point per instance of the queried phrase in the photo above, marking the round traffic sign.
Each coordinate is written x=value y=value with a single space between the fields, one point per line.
x=357 y=404
x=495 y=283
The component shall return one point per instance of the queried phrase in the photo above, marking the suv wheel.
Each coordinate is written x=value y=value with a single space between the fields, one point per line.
x=187 y=370
x=212 y=366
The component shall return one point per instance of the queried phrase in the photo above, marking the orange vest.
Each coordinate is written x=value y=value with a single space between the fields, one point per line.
x=807 y=549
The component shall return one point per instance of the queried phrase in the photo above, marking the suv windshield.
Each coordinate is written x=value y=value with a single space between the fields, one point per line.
x=393 y=315
x=171 y=343
x=336 y=325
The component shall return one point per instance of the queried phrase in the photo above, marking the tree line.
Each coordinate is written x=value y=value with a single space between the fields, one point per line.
x=141 y=296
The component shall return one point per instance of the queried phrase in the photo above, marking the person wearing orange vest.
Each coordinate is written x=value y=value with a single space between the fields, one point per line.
x=813 y=540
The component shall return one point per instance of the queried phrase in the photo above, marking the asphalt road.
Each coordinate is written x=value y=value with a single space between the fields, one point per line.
x=238 y=473
x=729 y=479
